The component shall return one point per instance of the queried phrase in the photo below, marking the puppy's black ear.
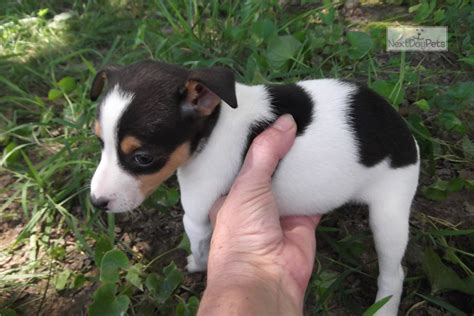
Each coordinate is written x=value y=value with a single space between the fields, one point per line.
x=99 y=81
x=205 y=88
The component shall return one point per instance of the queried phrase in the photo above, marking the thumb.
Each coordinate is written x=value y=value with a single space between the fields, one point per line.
x=268 y=149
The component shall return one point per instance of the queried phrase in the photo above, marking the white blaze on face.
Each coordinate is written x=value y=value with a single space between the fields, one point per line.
x=110 y=181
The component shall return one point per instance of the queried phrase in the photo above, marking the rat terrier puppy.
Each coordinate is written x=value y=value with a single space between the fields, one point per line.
x=351 y=146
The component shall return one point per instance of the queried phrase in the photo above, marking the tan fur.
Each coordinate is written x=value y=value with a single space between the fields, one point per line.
x=201 y=98
x=129 y=144
x=149 y=182
x=192 y=93
x=97 y=128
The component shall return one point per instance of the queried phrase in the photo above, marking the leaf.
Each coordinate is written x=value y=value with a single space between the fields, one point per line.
x=434 y=194
x=440 y=185
x=438 y=16
x=102 y=245
x=79 y=281
x=467 y=146
x=188 y=309
x=140 y=36
x=469 y=184
x=184 y=244
x=106 y=303
x=376 y=306
x=58 y=252
x=423 y=105
x=386 y=88
x=451 y=122
x=152 y=283
x=324 y=280
x=42 y=12
x=67 y=84
x=133 y=275
x=413 y=8
x=318 y=42
x=164 y=196
x=463 y=91
x=441 y=277
x=173 y=278
x=424 y=11
x=468 y=60
x=112 y=261
x=263 y=29
x=161 y=288
x=8 y=312
x=281 y=49
x=360 y=44
x=60 y=279
x=455 y=185
x=437 y=191
x=54 y=94
x=457 y=97
x=328 y=16
x=172 y=197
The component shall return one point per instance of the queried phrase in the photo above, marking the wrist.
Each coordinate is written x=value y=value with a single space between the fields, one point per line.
x=248 y=289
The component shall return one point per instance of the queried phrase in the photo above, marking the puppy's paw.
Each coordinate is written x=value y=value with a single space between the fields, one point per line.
x=195 y=266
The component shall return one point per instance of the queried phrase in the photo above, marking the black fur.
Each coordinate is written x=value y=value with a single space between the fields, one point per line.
x=155 y=115
x=380 y=131
x=284 y=99
x=219 y=80
x=292 y=99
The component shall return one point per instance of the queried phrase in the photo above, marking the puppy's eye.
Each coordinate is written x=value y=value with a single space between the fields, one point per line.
x=143 y=159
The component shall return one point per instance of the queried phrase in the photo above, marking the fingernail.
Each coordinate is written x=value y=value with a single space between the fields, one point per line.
x=284 y=123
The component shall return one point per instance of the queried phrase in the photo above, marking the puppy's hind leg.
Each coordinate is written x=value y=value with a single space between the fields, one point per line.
x=389 y=215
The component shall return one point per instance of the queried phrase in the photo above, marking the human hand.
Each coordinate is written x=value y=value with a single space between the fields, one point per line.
x=253 y=252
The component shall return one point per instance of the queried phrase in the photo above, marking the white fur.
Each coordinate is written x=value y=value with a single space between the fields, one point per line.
x=224 y=149
x=110 y=181
x=321 y=172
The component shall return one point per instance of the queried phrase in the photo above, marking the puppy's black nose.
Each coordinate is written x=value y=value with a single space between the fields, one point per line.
x=100 y=203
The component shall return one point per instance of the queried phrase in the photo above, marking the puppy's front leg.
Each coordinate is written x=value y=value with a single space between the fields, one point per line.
x=199 y=230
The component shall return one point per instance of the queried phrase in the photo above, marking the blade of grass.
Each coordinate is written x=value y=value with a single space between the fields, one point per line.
x=450 y=308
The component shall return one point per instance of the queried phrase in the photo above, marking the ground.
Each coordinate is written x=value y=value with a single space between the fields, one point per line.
x=52 y=242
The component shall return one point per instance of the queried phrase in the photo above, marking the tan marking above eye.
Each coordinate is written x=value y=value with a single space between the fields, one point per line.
x=149 y=182
x=129 y=144
x=97 y=128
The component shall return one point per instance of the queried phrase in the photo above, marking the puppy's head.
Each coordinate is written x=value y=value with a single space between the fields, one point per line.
x=151 y=118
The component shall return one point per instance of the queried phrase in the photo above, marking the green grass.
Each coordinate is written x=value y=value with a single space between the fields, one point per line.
x=49 y=53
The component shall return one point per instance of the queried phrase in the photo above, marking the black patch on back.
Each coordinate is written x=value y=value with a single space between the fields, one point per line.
x=285 y=99
x=380 y=131
x=292 y=99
